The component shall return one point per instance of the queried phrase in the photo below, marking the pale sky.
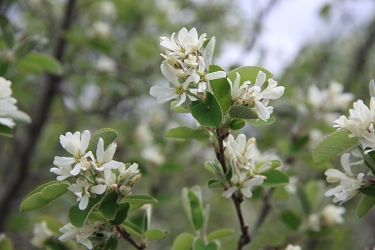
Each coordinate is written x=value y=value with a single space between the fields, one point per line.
x=291 y=24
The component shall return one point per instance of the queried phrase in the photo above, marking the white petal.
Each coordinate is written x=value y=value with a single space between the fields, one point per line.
x=76 y=170
x=63 y=161
x=113 y=164
x=346 y=163
x=263 y=112
x=85 y=139
x=335 y=190
x=169 y=74
x=261 y=78
x=182 y=100
x=216 y=75
x=246 y=192
x=98 y=189
x=100 y=150
x=83 y=203
x=229 y=192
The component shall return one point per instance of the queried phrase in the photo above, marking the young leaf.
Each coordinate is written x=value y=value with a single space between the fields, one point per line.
x=111 y=244
x=242 y=112
x=207 y=113
x=291 y=219
x=196 y=210
x=212 y=246
x=137 y=201
x=131 y=228
x=107 y=134
x=183 y=242
x=248 y=73
x=5 y=242
x=199 y=244
x=78 y=217
x=215 y=184
x=237 y=124
x=335 y=144
x=221 y=89
x=369 y=191
x=183 y=132
x=155 y=234
x=108 y=205
x=23 y=48
x=4 y=66
x=275 y=178
x=45 y=62
x=121 y=214
x=220 y=233
x=44 y=195
x=275 y=164
x=260 y=122
x=8 y=37
x=365 y=205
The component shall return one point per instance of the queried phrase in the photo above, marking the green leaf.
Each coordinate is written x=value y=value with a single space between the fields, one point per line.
x=260 y=122
x=5 y=242
x=121 y=214
x=217 y=169
x=335 y=144
x=215 y=184
x=111 y=244
x=183 y=132
x=179 y=109
x=199 y=244
x=4 y=66
x=78 y=217
x=305 y=202
x=4 y=22
x=196 y=210
x=5 y=131
x=23 y=48
x=237 y=124
x=107 y=134
x=275 y=178
x=131 y=228
x=275 y=164
x=8 y=37
x=291 y=219
x=365 y=205
x=108 y=205
x=44 y=62
x=207 y=113
x=212 y=246
x=369 y=191
x=155 y=234
x=220 y=233
x=242 y=112
x=183 y=242
x=221 y=89
x=248 y=73
x=137 y=201
x=44 y=195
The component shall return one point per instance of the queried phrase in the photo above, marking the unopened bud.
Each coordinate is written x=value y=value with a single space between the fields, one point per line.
x=125 y=191
x=134 y=179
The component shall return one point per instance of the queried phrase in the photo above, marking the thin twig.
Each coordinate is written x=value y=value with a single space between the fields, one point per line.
x=124 y=234
x=24 y=149
x=245 y=236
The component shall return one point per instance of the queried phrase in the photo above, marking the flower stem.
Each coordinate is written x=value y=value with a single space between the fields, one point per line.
x=245 y=236
x=124 y=234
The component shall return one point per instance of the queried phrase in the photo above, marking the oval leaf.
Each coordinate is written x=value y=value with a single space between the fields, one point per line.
x=248 y=73
x=45 y=62
x=275 y=178
x=183 y=132
x=260 y=122
x=365 y=205
x=242 y=112
x=220 y=234
x=78 y=217
x=333 y=145
x=107 y=134
x=237 y=124
x=207 y=113
x=137 y=201
x=196 y=210
x=179 y=109
x=183 y=242
x=131 y=228
x=121 y=214
x=5 y=242
x=44 y=195
x=155 y=234
x=108 y=205
x=291 y=219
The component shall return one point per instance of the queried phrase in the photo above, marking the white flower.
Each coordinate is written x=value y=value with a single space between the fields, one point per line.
x=84 y=191
x=5 y=88
x=41 y=234
x=63 y=172
x=291 y=188
x=76 y=145
x=81 y=234
x=349 y=183
x=125 y=173
x=104 y=158
x=107 y=8
x=7 y=103
x=238 y=92
x=332 y=215
x=241 y=183
x=178 y=91
x=100 y=29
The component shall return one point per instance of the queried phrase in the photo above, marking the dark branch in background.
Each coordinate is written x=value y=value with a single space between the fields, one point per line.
x=361 y=56
x=24 y=149
x=245 y=236
x=125 y=235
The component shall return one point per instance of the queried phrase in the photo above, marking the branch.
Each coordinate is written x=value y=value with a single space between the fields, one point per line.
x=24 y=148
x=245 y=236
x=124 y=234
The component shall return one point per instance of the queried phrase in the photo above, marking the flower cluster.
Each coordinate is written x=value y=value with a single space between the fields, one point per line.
x=246 y=172
x=349 y=182
x=8 y=108
x=252 y=94
x=185 y=66
x=360 y=123
x=95 y=175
